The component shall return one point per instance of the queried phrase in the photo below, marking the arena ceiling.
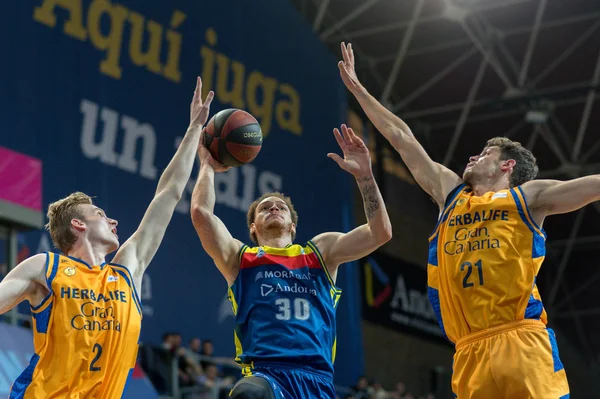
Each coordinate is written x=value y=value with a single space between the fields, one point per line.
x=462 y=71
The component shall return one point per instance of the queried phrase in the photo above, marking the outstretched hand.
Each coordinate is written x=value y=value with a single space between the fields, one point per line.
x=207 y=159
x=347 y=70
x=199 y=110
x=357 y=159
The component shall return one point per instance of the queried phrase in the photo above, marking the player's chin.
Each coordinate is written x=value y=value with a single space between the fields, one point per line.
x=467 y=174
x=114 y=245
x=275 y=225
x=275 y=221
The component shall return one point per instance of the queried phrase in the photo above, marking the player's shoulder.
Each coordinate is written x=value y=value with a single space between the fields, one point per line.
x=454 y=193
x=39 y=258
x=37 y=261
x=324 y=240
x=34 y=267
x=532 y=188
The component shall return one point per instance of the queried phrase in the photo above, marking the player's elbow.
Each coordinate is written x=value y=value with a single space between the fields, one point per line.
x=170 y=193
x=383 y=234
x=199 y=214
x=386 y=235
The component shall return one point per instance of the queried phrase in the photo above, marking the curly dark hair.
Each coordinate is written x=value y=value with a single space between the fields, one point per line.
x=525 y=169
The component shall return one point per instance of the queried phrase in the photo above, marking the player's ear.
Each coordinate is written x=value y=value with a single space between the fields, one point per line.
x=252 y=228
x=78 y=224
x=507 y=165
x=293 y=229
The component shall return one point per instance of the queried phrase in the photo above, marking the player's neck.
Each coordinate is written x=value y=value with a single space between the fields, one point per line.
x=275 y=242
x=84 y=250
x=489 y=185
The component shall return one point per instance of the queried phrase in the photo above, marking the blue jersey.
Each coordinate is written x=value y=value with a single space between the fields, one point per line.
x=284 y=302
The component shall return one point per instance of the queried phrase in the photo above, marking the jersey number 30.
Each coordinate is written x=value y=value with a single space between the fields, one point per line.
x=299 y=310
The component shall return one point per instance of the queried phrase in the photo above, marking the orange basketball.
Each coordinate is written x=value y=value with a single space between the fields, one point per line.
x=233 y=137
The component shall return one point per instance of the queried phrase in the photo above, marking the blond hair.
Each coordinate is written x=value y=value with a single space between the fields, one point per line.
x=252 y=211
x=60 y=213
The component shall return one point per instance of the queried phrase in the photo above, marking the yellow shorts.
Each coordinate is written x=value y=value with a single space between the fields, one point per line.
x=516 y=360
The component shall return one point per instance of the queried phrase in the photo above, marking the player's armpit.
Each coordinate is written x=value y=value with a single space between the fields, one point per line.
x=551 y=197
x=338 y=248
x=436 y=179
x=24 y=282
x=137 y=252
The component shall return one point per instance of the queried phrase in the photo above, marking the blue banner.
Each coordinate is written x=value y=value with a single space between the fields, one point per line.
x=99 y=91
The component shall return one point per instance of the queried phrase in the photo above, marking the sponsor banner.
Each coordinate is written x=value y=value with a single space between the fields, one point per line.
x=395 y=295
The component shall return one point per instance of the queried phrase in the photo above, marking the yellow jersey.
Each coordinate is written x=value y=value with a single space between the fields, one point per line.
x=484 y=257
x=85 y=332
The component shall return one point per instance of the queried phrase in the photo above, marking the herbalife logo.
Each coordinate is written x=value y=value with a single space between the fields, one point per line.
x=265 y=289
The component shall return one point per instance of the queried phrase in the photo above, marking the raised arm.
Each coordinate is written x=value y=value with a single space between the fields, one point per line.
x=434 y=178
x=25 y=282
x=137 y=252
x=214 y=236
x=551 y=197
x=338 y=248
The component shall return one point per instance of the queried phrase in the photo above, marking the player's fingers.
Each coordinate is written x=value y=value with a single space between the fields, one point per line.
x=337 y=159
x=343 y=71
x=344 y=52
x=350 y=53
x=197 y=90
x=209 y=98
x=347 y=137
x=338 y=138
x=355 y=139
x=202 y=153
x=199 y=86
x=352 y=136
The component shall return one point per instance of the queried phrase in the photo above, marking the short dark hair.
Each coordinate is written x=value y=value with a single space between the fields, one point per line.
x=252 y=211
x=525 y=169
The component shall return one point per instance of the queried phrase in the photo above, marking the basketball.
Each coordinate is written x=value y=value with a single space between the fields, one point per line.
x=233 y=137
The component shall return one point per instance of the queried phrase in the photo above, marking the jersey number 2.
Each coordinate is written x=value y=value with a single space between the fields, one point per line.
x=97 y=347
x=469 y=267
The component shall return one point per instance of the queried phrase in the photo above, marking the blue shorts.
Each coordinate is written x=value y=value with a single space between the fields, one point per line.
x=295 y=383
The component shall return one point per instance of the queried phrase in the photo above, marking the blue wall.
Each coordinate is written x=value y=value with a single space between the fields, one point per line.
x=104 y=114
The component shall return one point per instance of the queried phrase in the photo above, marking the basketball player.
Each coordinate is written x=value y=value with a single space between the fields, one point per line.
x=484 y=255
x=87 y=312
x=283 y=294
